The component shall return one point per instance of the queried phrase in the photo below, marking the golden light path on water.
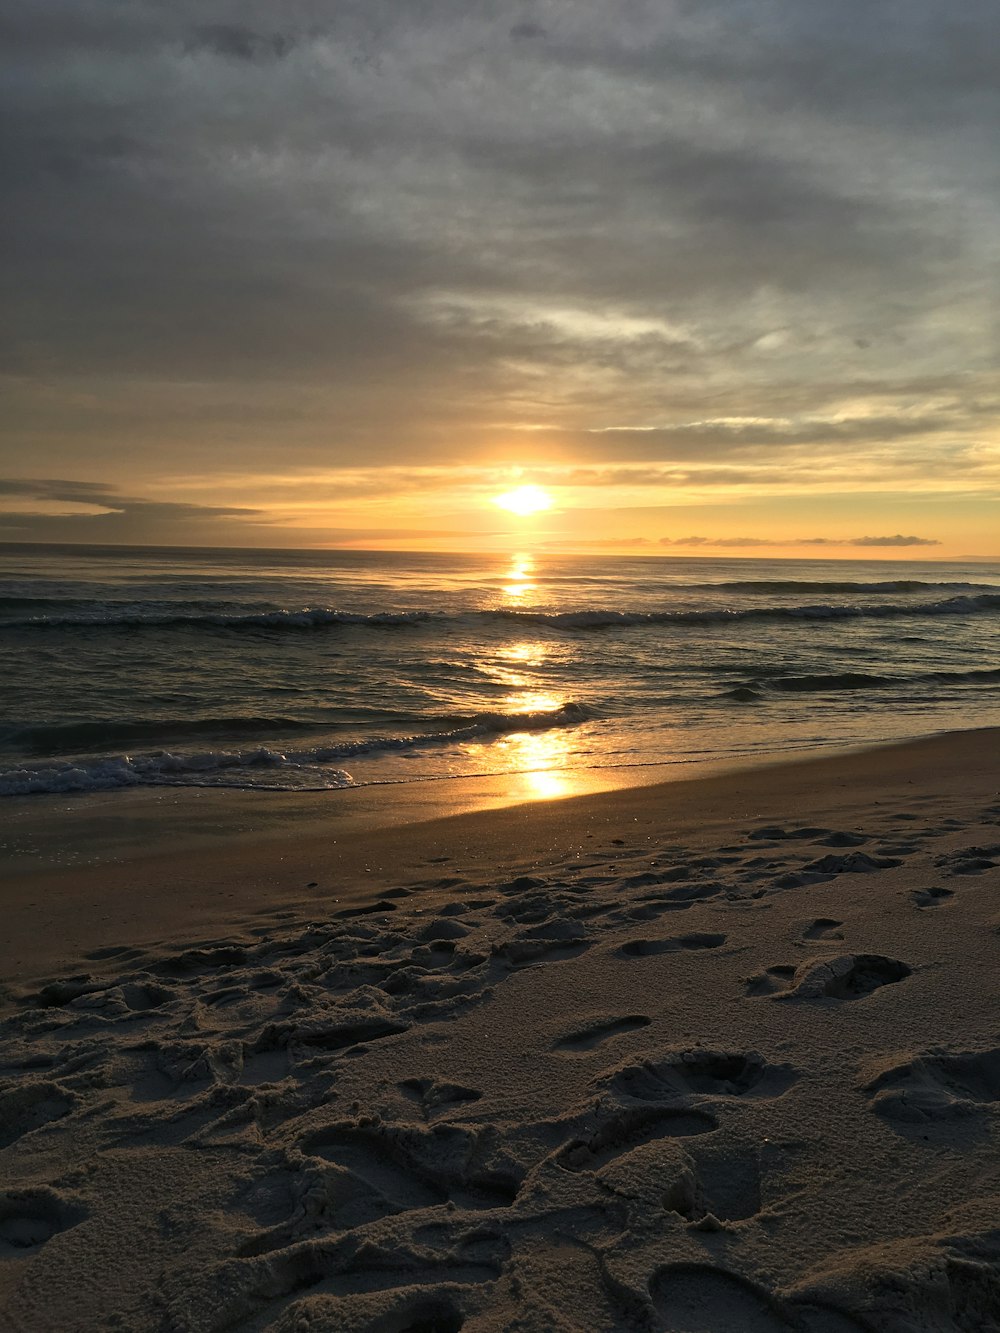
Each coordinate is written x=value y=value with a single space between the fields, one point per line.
x=542 y=758
x=539 y=761
x=519 y=577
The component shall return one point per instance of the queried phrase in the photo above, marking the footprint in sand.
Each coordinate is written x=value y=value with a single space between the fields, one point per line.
x=823 y=928
x=30 y=1217
x=354 y=1278
x=553 y=942
x=931 y=897
x=652 y=905
x=970 y=860
x=845 y=977
x=116 y=951
x=431 y=1313
x=402 y=1168
x=772 y=981
x=727 y=1184
x=29 y=1106
x=698 y=1298
x=368 y=909
x=702 y=1072
x=853 y=863
x=937 y=1086
x=671 y=944
x=442 y=929
x=678 y=899
x=623 y=1131
x=437 y=1097
x=776 y=833
x=849 y=976
x=595 y=1034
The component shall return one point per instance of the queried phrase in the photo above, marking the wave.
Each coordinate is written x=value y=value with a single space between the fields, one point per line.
x=71 y=736
x=856 y=680
x=599 y=619
x=261 y=766
x=127 y=615
x=314 y=618
x=840 y=586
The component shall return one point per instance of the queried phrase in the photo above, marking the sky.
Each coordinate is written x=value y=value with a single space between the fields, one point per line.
x=718 y=276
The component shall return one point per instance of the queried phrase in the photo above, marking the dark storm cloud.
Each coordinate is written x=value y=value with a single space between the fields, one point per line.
x=404 y=229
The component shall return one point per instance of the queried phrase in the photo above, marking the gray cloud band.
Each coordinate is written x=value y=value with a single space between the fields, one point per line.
x=385 y=229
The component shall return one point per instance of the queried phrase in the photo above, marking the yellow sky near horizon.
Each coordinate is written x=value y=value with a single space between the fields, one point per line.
x=642 y=508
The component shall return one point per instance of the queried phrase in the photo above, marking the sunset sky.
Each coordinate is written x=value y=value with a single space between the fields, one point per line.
x=717 y=276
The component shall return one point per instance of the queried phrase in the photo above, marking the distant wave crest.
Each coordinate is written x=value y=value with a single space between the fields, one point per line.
x=114 y=615
x=598 y=619
x=857 y=680
x=841 y=586
x=97 y=615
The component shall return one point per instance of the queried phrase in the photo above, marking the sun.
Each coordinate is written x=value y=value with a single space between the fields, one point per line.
x=524 y=500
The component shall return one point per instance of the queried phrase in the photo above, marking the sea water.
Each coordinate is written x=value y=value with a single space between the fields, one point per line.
x=304 y=670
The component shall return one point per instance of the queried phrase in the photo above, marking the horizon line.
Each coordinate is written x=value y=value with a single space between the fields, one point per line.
x=733 y=553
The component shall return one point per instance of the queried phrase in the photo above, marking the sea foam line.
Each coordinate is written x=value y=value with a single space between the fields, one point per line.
x=224 y=767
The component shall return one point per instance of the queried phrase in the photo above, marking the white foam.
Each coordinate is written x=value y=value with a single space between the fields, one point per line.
x=243 y=768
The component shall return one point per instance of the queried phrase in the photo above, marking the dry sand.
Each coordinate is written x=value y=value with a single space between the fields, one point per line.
x=719 y=1056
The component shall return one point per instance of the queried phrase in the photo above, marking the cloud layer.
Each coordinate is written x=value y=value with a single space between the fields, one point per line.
x=731 y=233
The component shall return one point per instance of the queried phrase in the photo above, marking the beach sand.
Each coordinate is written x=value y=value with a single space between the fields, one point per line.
x=715 y=1056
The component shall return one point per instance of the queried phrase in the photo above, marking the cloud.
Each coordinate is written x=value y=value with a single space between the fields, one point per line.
x=380 y=234
x=718 y=541
x=897 y=540
x=236 y=42
x=49 y=510
x=527 y=31
x=58 y=511
x=99 y=494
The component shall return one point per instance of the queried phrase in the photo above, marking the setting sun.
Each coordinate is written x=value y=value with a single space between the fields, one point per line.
x=525 y=500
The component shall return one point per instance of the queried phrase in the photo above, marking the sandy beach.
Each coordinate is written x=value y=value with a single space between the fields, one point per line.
x=716 y=1055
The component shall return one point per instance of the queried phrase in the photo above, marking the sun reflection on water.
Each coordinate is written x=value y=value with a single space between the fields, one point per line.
x=544 y=785
x=503 y=668
x=519 y=577
x=528 y=654
x=540 y=759
x=533 y=701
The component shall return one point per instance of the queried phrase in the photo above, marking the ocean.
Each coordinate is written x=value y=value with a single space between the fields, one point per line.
x=308 y=670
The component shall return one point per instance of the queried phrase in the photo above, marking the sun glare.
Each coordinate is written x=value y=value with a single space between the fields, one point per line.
x=524 y=500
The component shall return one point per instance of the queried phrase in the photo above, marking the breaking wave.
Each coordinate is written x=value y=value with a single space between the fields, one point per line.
x=262 y=766
x=315 y=618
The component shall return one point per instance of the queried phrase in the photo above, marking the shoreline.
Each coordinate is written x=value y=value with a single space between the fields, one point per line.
x=50 y=831
x=93 y=828
x=229 y=884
